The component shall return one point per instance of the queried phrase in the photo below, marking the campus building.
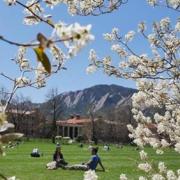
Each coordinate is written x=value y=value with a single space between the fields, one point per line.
x=72 y=127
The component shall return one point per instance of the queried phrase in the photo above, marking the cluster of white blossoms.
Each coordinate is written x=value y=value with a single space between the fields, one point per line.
x=72 y=38
x=64 y=43
x=156 y=104
x=164 y=43
x=143 y=155
x=129 y=36
x=90 y=175
x=169 y=3
x=153 y=173
x=77 y=35
x=21 y=60
x=75 y=7
x=111 y=36
x=87 y=7
x=34 y=9
x=40 y=75
x=92 y=67
x=145 y=167
x=158 y=92
x=157 y=80
x=163 y=126
x=22 y=82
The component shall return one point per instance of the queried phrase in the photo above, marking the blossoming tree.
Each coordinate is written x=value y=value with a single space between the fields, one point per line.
x=72 y=38
x=66 y=41
x=158 y=82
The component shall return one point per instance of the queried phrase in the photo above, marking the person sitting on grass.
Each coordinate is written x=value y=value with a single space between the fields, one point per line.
x=91 y=164
x=58 y=157
x=95 y=160
x=35 y=153
x=106 y=147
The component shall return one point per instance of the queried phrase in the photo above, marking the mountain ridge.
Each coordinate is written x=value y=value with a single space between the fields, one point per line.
x=102 y=97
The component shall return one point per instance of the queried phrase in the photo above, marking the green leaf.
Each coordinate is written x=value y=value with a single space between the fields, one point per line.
x=42 y=40
x=42 y=57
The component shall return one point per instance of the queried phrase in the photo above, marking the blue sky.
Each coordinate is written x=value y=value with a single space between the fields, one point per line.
x=75 y=77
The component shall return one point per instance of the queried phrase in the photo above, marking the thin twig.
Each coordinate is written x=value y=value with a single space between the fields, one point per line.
x=37 y=16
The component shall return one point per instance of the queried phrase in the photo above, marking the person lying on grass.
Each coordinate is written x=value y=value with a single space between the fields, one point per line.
x=90 y=165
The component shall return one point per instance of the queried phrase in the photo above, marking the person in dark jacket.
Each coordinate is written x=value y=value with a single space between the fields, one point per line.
x=58 y=157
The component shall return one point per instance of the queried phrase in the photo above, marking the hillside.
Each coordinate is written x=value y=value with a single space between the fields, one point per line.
x=100 y=97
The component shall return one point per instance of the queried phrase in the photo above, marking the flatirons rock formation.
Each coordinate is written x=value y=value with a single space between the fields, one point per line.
x=101 y=97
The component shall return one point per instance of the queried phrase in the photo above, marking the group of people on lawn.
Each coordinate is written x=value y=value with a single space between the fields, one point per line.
x=59 y=161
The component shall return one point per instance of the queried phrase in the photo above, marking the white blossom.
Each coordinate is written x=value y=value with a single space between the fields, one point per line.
x=129 y=36
x=92 y=56
x=123 y=177
x=145 y=167
x=152 y=2
x=141 y=27
x=10 y=2
x=171 y=175
x=22 y=81
x=142 y=178
x=174 y=3
x=80 y=36
x=91 y=69
x=164 y=143
x=178 y=172
x=57 y=53
x=108 y=37
x=162 y=168
x=177 y=147
x=90 y=175
x=11 y=178
x=164 y=23
x=177 y=27
x=143 y=155
x=107 y=61
x=157 y=177
x=117 y=48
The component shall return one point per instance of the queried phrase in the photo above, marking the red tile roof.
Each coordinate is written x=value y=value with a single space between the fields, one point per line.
x=73 y=121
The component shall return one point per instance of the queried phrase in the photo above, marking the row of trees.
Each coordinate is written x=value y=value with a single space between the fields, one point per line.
x=28 y=117
x=35 y=120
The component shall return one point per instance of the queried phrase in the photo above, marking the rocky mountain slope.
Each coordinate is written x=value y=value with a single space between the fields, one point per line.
x=101 y=98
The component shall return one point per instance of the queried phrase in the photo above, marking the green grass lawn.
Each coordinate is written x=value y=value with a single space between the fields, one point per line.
x=19 y=163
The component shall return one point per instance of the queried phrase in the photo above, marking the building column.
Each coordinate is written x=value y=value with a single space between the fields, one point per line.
x=57 y=133
x=73 y=131
x=68 y=131
x=78 y=131
x=63 y=131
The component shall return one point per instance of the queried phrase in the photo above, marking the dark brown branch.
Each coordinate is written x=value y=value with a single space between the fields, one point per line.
x=2 y=74
x=18 y=44
x=32 y=44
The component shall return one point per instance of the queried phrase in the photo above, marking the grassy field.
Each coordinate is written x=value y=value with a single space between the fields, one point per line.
x=116 y=161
